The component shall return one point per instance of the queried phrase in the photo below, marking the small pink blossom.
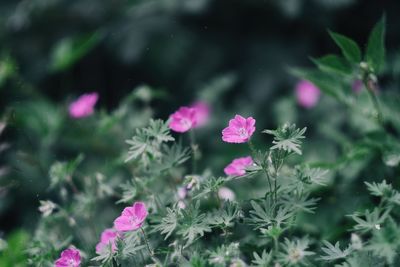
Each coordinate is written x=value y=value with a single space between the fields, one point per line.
x=183 y=120
x=239 y=130
x=70 y=257
x=131 y=218
x=109 y=236
x=238 y=166
x=182 y=192
x=307 y=94
x=83 y=106
x=181 y=205
x=202 y=113
x=226 y=194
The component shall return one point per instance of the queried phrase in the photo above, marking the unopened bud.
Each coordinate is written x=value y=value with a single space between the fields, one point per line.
x=356 y=242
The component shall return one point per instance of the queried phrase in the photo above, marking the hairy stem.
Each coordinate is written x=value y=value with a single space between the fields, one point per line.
x=254 y=154
x=193 y=146
x=151 y=252
x=370 y=85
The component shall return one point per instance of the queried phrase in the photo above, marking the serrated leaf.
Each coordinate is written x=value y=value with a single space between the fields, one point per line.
x=334 y=252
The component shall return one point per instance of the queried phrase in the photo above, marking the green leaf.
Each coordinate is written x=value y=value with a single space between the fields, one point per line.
x=14 y=254
x=287 y=138
x=350 y=49
x=333 y=63
x=375 y=53
x=70 y=50
x=334 y=252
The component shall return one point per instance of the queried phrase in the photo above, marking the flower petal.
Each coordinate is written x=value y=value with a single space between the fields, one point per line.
x=123 y=224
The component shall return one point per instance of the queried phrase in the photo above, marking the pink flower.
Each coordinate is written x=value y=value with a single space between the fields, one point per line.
x=183 y=120
x=83 y=106
x=239 y=130
x=226 y=194
x=238 y=166
x=202 y=113
x=307 y=94
x=182 y=192
x=131 y=218
x=108 y=236
x=69 y=258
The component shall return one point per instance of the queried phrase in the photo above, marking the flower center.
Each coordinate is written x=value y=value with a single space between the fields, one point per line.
x=242 y=132
x=133 y=219
x=187 y=123
x=71 y=263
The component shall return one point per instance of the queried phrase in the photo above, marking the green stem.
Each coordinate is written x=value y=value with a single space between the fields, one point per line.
x=114 y=262
x=253 y=154
x=151 y=252
x=372 y=94
x=72 y=184
x=276 y=189
x=194 y=150
x=275 y=244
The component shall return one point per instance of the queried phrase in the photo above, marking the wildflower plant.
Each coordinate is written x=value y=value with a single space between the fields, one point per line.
x=151 y=204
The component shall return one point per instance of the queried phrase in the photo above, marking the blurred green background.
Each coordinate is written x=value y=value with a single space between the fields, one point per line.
x=233 y=54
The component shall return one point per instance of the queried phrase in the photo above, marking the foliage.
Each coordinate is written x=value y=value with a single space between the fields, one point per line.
x=296 y=205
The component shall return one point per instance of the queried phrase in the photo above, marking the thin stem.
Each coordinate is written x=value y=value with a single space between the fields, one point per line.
x=276 y=189
x=151 y=252
x=275 y=244
x=72 y=184
x=193 y=145
x=254 y=154
x=369 y=85
x=218 y=200
x=114 y=262
x=252 y=149
x=269 y=183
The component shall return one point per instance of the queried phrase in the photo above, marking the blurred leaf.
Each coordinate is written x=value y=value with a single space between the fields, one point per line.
x=62 y=171
x=70 y=50
x=334 y=252
x=350 y=49
x=14 y=254
x=375 y=53
x=333 y=63
x=7 y=68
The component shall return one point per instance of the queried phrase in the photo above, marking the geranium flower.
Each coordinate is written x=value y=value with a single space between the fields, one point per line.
x=108 y=237
x=131 y=218
x=83 y=106
x=202 y=113
x=238 y=166
x=307 y=94
x=70 y=257
x=239 y=130
x=183 y=120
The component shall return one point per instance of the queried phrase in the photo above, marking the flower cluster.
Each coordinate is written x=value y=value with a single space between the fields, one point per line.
x=239 y=130
x=131 y=219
